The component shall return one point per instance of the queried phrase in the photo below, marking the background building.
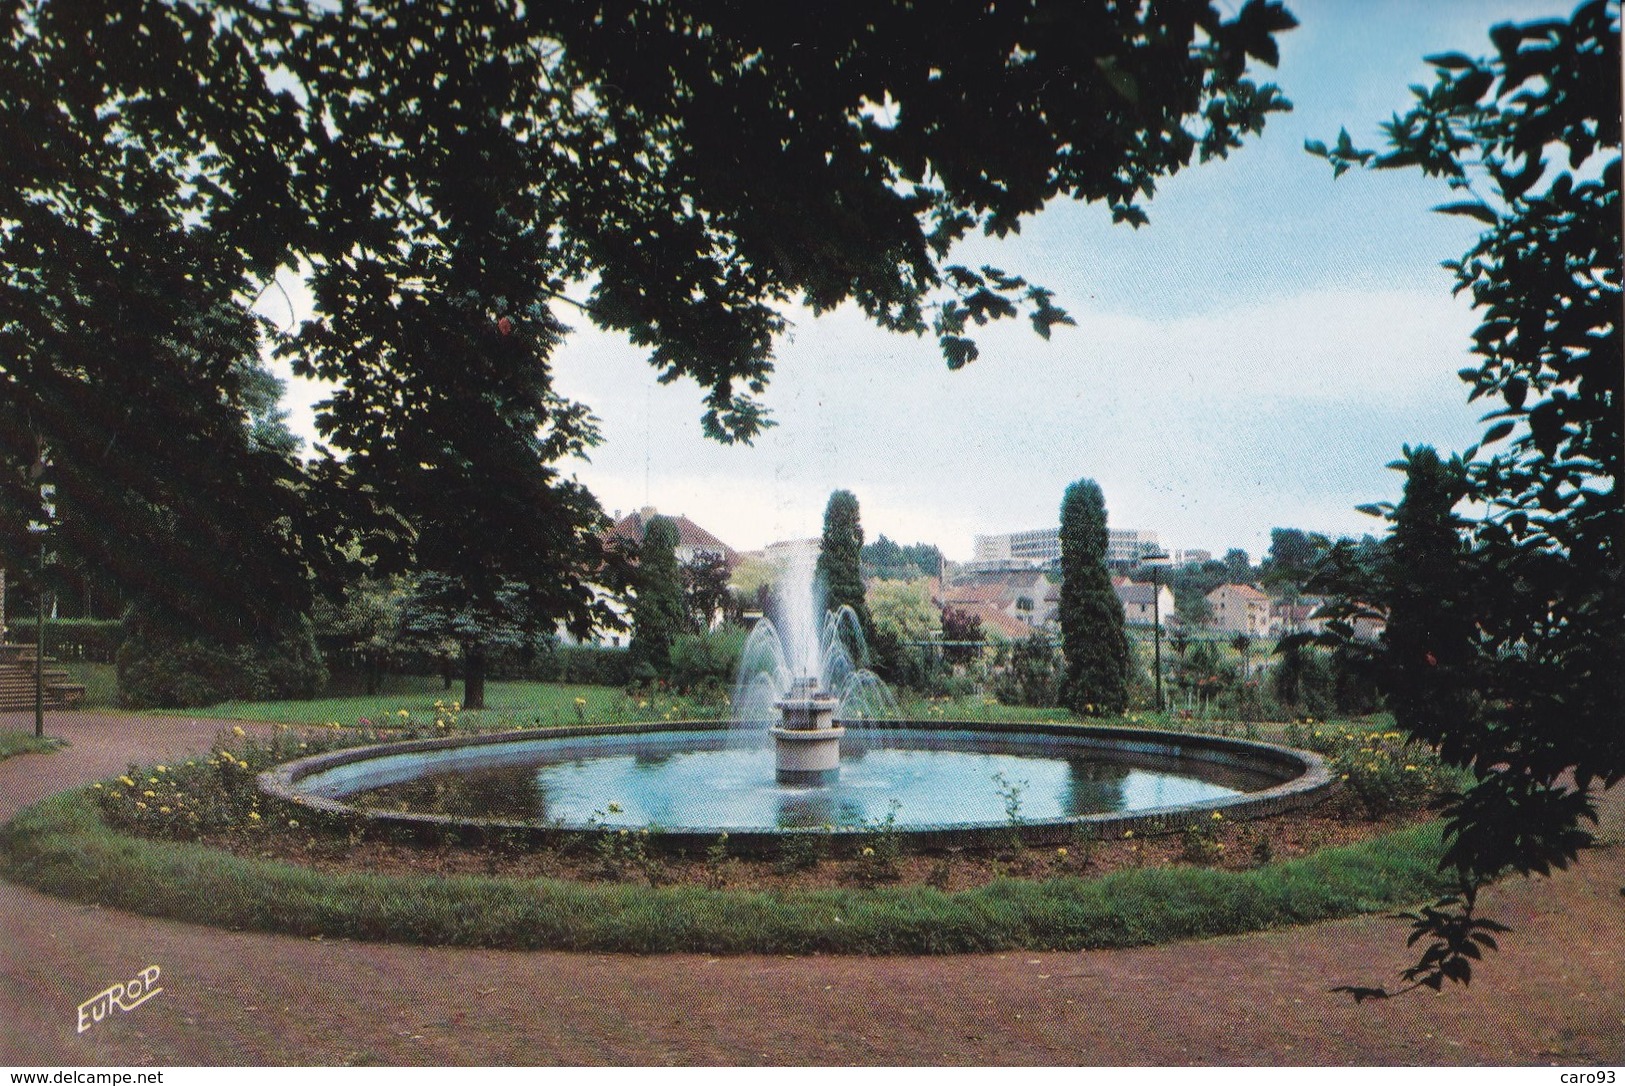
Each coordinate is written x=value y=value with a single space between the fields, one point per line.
x=1041 y=547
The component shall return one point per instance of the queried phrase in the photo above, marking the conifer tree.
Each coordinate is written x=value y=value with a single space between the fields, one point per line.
x=839 y=558
x=1092 y=636
x=657 y=611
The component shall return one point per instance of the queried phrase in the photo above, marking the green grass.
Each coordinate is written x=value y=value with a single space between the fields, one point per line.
x=914 y=707
x=508 y=704
x=12 y=743
x=99 y=680
x=62 y=846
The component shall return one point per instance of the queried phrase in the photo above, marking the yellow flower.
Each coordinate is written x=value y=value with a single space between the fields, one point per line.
x=456 y=706
x=293 y=822
x=1061 y=852
x=152 y=780
x=623 y=833
x=1217 y=817
x=163 y=810
x=581 y=701
x=140 y=806
x=1128 y=834
x=1410 y=769
x=128 y=781
x=402 y=713
x=868 y=851
x=97 y=785
x=149 y=793
x=643 y=705
x=237 y=731
x=253 y=816
x=162 y=768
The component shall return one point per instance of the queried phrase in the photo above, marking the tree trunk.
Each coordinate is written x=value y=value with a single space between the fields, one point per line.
x=474 y=677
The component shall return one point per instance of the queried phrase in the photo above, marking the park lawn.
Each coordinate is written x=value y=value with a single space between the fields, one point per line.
x=13 y=743
x=63 y=846
x=974 y=707
x=508 y=705
x=99 y=680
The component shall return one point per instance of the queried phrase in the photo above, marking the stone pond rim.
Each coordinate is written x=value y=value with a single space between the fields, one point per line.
x=1305 y=779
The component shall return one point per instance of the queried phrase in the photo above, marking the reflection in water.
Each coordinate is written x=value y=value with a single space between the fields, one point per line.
x=705 y=781
x=494 y=793
x=1094 y=785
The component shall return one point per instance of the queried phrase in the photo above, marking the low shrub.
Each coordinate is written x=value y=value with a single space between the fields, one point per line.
x=92 y=640
x=707 y=663
x=582 y=665
x=1384 y=771
x=159 y=668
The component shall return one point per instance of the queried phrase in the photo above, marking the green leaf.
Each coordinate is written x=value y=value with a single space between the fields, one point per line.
x=958 y=351
x=1496 y=433
x=1473 y=209
x=1450 y=61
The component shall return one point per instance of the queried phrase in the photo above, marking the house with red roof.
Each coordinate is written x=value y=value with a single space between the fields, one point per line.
x=692 y=540
x=1240 y=608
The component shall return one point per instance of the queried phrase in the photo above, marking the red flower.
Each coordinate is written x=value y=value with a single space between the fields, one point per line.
x=1433 y=661
x=504 y=326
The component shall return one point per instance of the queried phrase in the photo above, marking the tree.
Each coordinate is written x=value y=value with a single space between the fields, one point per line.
x=364 y=628
x=439 y=619
x=889 y=560
x=657 y=609
x=963 y=631
x=1244 y=647
x=839 y=558
x=449 y=174
x=1092 y=635
x=1427 y=656
x=904 y=609
x=1238 y=568
x=132 y=238
x=1546 y=602
x=705 y=589
x=1032 y=676
x=1293 y=555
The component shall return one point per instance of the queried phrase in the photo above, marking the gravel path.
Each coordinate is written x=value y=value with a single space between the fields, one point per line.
x=1555 y=993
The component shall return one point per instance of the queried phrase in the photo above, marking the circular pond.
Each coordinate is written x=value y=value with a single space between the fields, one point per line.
x=944 y=782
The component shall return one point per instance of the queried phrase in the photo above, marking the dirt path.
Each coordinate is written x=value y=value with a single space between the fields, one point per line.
x=1555 y=994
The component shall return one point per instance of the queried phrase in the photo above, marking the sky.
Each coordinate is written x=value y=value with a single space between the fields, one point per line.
x=1253 y=358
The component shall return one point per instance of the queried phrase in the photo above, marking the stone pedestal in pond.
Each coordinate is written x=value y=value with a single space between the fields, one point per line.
x=807 y=742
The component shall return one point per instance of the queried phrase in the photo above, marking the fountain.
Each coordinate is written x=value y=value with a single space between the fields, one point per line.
x=803 y=703
x=806 y=664
x=807 y=744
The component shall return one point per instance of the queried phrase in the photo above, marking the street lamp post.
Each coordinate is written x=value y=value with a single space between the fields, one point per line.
x=1155 y=560
x=38 y=527
x=39 y=645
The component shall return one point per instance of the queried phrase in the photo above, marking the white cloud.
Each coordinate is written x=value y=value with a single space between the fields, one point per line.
x=1210 y=428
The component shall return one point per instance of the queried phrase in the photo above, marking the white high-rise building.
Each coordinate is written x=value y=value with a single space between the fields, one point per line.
x=1042 y=547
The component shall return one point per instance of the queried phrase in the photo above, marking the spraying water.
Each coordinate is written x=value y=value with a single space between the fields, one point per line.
x=802 y=640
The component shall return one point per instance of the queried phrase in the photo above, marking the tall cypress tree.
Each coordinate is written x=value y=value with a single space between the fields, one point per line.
x=1428 y=666
x=839 y=557
x=1092 y=635
x=657 y=610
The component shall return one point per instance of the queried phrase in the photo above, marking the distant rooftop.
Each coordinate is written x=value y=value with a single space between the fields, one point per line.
x=632 y=527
